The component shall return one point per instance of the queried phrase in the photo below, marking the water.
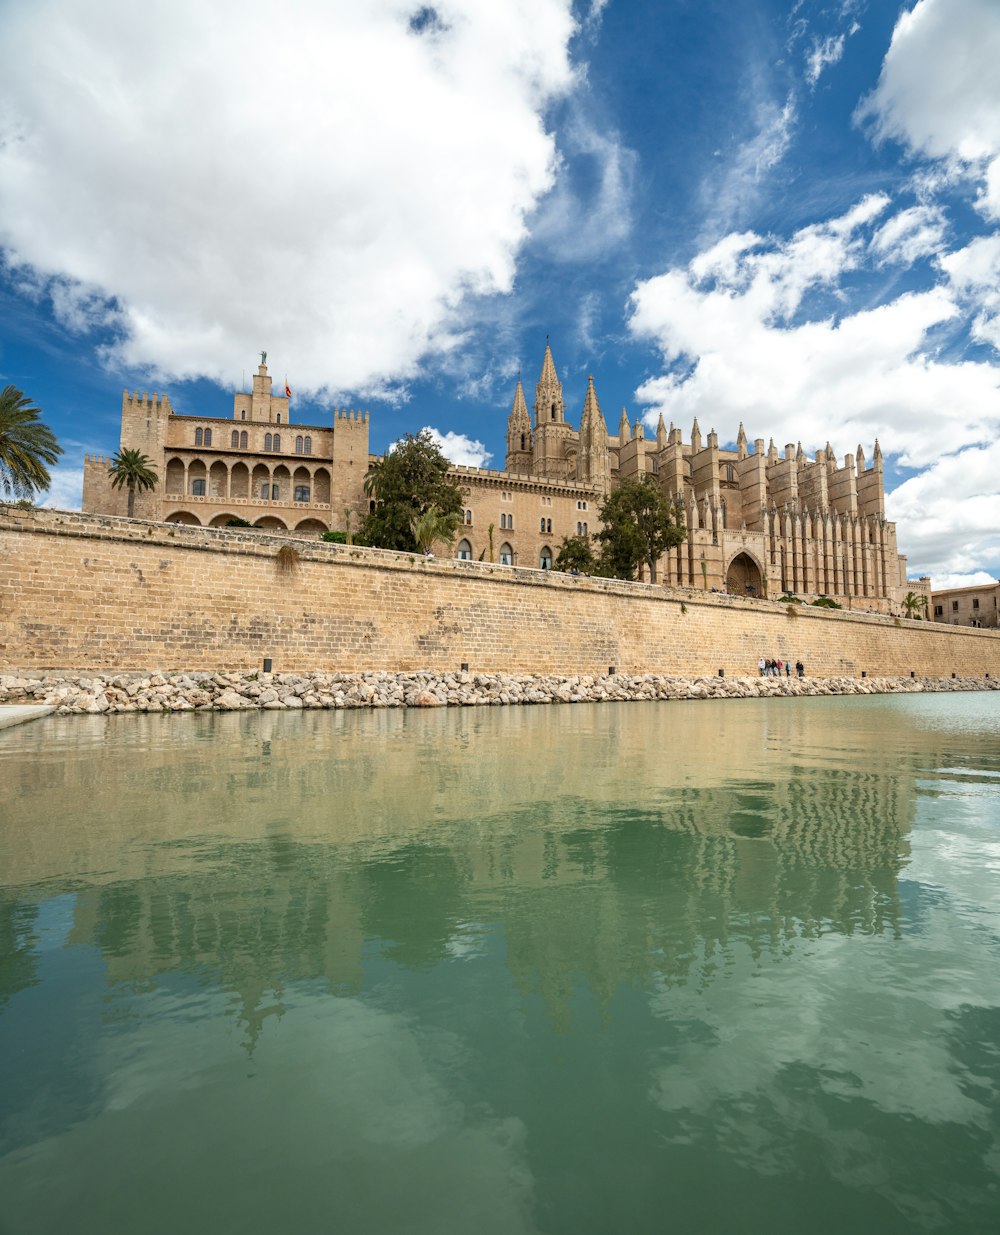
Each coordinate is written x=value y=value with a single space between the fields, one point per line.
x=624 y=968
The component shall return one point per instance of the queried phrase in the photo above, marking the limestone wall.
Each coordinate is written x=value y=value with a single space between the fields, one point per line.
x=99 y=592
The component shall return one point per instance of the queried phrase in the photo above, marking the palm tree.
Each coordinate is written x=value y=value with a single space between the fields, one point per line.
x=26 y=446
x=432 y=526
x=131 y=469
x=911 y=603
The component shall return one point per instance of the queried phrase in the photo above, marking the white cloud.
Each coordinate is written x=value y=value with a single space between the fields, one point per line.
x=910 y=235
x=66 y=490
x=459 y=449
x=974 y=273
x=823 y=54
x=977 y=578
x=939 y=91
x=315 y=177
x=739 y=344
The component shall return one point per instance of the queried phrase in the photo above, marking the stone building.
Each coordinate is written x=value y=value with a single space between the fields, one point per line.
x=968 y=606
x=759 y=522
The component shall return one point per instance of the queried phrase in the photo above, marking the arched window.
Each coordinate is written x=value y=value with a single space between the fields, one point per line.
x=243 y=414
x=277 y=441
x=198 y=435
x=267 y=441
x=234 y=440
x=464 y=551
x=468 y=517
x=542 y=527
x=243 y=440
x=585 y=532
x=730 y=472
x=579 y=529
x=208 y=437
x=506 y=555
x=309 y=445
x=277 y=419
x=524 y=441
x=298 y=443
x=548 y=525
x=503 y=522
x=545 y=558
x=510 y=522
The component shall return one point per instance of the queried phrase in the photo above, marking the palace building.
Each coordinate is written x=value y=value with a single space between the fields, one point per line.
x=759 y=522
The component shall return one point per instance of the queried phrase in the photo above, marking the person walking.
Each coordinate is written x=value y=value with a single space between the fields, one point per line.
x=800 y=669
x=788 y=668
x=761 y=666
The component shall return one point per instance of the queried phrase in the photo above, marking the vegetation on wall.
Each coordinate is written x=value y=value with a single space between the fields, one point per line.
x=405 y=484
x=132 y=469
x=28 y=448
x=639 y=525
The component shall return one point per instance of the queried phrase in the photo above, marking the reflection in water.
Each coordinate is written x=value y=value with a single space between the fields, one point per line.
x=555 y=969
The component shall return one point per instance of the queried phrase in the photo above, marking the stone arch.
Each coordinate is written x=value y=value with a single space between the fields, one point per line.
x=197 y=478
x=185 y=517
x=174 y=481
x=218 y=479
x=261 y=477
x=321 y=485
x=282 y=477
x=311 y=526
x=506 y=554
x=239 y=481
x=744 y=576
x=270 y=523
x=545 y=558
x=223 y=520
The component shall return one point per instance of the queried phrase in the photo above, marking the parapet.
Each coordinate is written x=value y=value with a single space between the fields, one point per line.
x=342 y=413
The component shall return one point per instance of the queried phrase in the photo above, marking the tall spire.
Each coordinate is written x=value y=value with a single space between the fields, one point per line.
x=695 y=435
x=741 y=442
x=519 y=441
x=548 y=373
x=624 y=428
x=549 y=405
x=661 y=433
x=593 y=464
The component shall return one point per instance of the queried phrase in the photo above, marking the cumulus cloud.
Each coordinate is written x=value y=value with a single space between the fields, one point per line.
x=461 y=450
x=939 y=90
x=322 y=178
x=752 y=329
x=66 y=489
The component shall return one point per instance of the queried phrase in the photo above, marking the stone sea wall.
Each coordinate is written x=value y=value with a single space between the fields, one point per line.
x=102 y=595
x=229 y=692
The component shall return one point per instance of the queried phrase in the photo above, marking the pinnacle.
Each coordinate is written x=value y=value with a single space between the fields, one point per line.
x=548 y=374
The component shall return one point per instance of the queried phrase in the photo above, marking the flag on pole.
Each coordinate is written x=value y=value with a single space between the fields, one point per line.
x=288 y=389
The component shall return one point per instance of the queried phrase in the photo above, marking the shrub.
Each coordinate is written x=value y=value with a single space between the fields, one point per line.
x=239 y=523
x=334 y=538
x=824 y=602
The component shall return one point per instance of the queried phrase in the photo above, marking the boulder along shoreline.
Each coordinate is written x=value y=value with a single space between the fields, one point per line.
x=114 y=693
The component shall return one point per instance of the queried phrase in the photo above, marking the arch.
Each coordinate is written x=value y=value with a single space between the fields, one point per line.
x=174 y=485
x=239 y=481
x=321 y=485
x=270 y=523
x=464 y=551
x=506 y=554
x=545 y=558
x=197 y=477
x=223 y=520
x=311 y=526
x=261 y=483
x=744 y=575
x=185 y=517
x=218 y=477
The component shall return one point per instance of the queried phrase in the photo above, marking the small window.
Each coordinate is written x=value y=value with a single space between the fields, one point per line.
x=468 y=517
x=267 y=441
x=277 y=419
x=954 y=606
x=585 y=532
x=208 y=437
x=298 y=443
x=308 y=445
x=302 y=493
x=975 y=602
x=579 y=529
x=939 y=610
x=197 y=488
x=243 y=440
x=548 y=525
x=243 y=414
x=542 y=527
x=198 y=436
x=275 y=493
x=523 y=442
x=265 y=490
x=234 y=440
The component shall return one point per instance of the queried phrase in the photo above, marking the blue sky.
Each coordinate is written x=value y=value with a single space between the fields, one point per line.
x=785 y=212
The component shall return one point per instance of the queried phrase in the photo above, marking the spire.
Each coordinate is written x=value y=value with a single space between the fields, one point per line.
x=695 y=436
x=800 y=454
x=772 y=452
x=624 y=429
x=861 y=459
x=877 y=455
x=549 y=405
x=640 y=432
x=548 y=374
x=741 y=442
x=593 y=464
x=519 y=410
x=661 y=433
x=519 y=441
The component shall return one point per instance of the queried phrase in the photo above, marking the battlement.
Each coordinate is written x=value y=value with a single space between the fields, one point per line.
x=342 y=413
x=146 y=402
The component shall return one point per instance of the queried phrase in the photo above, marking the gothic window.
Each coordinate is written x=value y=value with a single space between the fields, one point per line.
x=277 y=441
x=277 y=419
x=243 y=440
x=579 y=529
x=309 y=445
x=464 y=551
x=524 y=438
x=267 y=441
x=234 y=441
x=730 y=472
x=198 y=435
x=298 y=444
x=243 y=414
x=197 y=488
x=545 y=559
x=548 y=525
x=585 y=532
x=542 y=528
x=468 y=517
x=302 y=493
x=208 y=437
x=553 y=411
x=506 y=555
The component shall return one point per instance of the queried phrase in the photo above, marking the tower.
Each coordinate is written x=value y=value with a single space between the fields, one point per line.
x=519 y=439
x=552 y=433
x=593 y=464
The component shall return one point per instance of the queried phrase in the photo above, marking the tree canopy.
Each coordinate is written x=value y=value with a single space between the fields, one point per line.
x=406 y=483
x=639 y=525
x=28 y=448
x=132 y=469
x=576 y=553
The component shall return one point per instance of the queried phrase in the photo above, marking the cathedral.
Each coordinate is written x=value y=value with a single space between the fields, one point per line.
x=759 y=522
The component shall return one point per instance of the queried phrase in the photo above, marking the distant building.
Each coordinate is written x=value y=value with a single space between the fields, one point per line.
x=968 y=606
x=758 y=523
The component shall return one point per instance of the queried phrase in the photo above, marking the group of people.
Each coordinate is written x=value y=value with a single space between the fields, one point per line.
x=773 y=668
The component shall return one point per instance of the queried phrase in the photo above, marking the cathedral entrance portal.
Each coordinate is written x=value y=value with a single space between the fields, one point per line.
x=743 y=577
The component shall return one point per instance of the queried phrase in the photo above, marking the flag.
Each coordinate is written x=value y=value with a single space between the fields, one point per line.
x=288 y=391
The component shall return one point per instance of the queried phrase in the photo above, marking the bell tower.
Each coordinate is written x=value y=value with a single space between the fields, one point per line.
x=552 y=433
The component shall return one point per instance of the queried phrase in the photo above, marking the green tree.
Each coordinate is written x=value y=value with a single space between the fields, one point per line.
x=913 y=603
x=432 y=527
x=405 y=483
x=131 y=469
x=576 y=553
x=639 y=525
x=28 y=448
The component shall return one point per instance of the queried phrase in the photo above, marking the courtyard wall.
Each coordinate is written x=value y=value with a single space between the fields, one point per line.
x=81 y=591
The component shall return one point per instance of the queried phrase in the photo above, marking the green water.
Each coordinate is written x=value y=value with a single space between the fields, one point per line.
x=599 y=969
